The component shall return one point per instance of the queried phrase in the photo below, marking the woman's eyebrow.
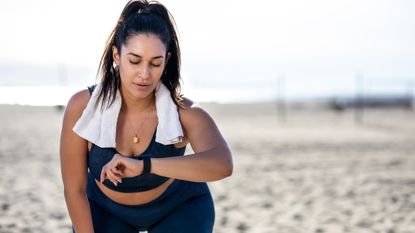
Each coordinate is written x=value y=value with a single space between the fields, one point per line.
x=136 y=55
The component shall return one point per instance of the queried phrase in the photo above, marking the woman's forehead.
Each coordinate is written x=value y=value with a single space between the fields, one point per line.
x=145 y=44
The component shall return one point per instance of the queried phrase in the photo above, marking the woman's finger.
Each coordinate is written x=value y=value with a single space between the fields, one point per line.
x=113 y=178
x=105 y=174
x=102 y=175
x=117 y=173
x=109 y=171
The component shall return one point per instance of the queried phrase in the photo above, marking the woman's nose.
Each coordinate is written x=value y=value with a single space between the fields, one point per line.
x=144 y=72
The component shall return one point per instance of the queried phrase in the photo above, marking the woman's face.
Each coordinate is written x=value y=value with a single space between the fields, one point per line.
x=141 y=64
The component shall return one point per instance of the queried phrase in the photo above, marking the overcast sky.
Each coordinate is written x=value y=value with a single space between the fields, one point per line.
x=240 y=40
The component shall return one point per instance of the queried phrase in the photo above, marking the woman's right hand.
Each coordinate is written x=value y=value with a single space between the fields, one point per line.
x=119 y=167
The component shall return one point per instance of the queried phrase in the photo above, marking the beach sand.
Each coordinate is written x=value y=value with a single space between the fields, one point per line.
x=316 y=171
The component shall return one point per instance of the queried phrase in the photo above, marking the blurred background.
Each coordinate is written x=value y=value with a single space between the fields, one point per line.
x=315 y=98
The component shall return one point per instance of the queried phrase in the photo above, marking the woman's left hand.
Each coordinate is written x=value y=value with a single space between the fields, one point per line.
x=119 y=167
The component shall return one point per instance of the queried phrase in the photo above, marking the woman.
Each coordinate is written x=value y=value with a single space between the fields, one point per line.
x=141 y=184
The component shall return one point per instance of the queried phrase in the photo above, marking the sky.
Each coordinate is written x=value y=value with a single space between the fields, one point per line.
x=313 y=46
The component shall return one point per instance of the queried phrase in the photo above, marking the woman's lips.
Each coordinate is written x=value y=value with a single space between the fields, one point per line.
x=141 y=86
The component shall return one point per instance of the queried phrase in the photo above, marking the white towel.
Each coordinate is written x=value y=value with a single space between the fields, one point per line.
x=99 y=126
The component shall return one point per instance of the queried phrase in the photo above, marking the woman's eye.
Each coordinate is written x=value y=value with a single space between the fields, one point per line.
x=138 y=62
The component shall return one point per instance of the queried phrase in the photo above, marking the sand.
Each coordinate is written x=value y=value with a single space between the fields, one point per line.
x=316 y=171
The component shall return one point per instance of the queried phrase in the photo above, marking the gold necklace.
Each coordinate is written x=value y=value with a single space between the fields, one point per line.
x=136 y=139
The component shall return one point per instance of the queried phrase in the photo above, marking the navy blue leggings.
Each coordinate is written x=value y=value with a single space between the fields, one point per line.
x=185 y=207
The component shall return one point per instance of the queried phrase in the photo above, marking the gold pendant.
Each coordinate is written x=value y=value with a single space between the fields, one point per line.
x=136 y=140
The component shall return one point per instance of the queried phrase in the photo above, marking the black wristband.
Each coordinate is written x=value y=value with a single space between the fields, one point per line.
x=146 y=165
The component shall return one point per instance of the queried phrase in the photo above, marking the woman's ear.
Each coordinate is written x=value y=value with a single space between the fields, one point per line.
x=115 y=55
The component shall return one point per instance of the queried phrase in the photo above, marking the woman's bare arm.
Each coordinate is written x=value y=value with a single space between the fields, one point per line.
x=73 y=157
x=212 y=159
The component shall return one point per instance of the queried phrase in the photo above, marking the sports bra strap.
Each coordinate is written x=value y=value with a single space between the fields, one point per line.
x=91 y=88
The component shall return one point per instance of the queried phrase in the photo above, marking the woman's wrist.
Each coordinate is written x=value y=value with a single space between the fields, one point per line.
x=138 y=167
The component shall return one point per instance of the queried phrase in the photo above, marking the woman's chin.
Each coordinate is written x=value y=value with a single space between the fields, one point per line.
x=140 y=93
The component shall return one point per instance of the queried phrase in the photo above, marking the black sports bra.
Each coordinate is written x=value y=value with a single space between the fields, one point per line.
x=98 y=157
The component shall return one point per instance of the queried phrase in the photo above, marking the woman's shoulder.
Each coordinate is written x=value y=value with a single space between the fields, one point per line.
x=199 y=128
x=187 y=103
x=193 y=114
x=190 y=107
x=77 y=103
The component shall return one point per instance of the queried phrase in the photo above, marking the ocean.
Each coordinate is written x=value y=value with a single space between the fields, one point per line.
x=54 y=85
